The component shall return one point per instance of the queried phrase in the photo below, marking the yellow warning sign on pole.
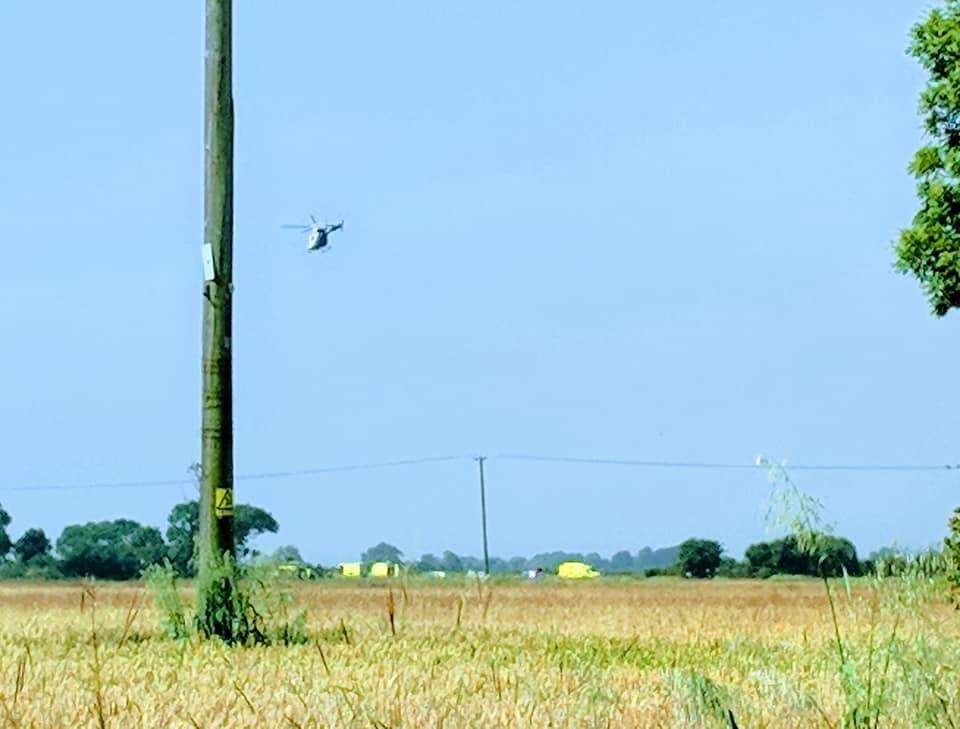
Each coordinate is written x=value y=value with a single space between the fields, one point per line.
x=223 y=502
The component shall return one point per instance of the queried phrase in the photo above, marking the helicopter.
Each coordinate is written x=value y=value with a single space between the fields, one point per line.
x=317 y=233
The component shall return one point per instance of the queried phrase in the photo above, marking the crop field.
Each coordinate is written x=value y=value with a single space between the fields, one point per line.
x=656 y=652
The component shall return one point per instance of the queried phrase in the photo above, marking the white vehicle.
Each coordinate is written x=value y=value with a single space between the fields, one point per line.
x=317 y=233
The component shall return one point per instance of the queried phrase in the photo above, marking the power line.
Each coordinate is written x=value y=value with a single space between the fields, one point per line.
x=112 y=485
x=357 y=467
x=247 y=477
x=378 y=465
x=707 y=465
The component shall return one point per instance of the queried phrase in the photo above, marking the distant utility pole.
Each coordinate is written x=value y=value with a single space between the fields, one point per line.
x=483 y=515
x=216 y=485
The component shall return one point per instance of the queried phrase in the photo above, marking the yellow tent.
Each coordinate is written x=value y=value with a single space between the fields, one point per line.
x=349 y=569
x=383 y=569
x=575 y=571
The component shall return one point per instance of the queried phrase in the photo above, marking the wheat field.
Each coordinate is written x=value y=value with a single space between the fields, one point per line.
x=606 y=653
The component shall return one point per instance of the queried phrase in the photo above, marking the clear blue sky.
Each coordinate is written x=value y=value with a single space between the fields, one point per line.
x=633 y=230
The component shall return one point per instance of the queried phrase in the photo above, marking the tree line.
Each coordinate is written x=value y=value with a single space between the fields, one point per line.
x=120 y=549
x=832 y=557
x=698 y=558
x=622 y=561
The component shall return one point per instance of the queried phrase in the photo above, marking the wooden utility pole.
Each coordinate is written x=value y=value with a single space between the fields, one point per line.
x=483 y=515
x=216 y=489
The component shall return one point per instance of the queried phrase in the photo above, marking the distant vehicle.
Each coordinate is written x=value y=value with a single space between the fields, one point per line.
x=317 y=233
x=349 y=569
x=384 y=569
x=436 y=574
x=534 y=574
x=576 y=571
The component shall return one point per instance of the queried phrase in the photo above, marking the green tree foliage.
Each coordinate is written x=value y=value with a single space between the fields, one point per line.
x=183 y=525
x=288 y=554
x=652 y=558
x=39 y=567
x=729 y=567
x=5 y=543
x=835 y=555
x=930 y=248
x=33 y=543
x=514 y=564
x=249 y=522
x=382 y=552
x=622 y=561
x=451 y=562
x=428 y=563
x=699 y=557
x=762 y=559
x=951 y=548
x=786 y=556
x=116 y=550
